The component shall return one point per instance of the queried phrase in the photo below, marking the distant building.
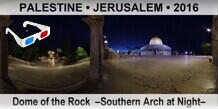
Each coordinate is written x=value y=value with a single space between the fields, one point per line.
x=155 y=48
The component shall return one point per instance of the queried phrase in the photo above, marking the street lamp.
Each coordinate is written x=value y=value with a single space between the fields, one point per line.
x=105 y=42
x=186 y=52
x=208 y=30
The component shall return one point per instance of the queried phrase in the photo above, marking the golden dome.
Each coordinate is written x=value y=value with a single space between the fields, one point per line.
x=155 y=41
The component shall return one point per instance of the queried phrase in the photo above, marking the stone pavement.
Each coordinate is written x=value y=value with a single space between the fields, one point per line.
x=6 y=88
x=176 y=74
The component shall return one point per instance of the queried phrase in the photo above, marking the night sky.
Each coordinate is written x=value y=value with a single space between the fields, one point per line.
x=181 y=33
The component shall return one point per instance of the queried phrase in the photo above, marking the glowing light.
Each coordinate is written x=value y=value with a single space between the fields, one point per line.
x=118 y=51
x=208 y=29
x=106 y=42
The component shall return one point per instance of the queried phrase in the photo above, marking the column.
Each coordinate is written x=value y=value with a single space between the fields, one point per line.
x=215 y=40
x=215 y=44
x=96 y=24
x=4 y=21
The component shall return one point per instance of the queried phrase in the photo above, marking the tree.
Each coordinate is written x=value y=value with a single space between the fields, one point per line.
x=207 y=48
x=80 y=53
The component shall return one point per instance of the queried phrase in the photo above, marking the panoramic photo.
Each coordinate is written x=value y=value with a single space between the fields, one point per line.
x=108 y=54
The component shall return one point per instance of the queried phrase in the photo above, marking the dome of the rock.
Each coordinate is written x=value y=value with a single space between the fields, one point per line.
x=155 y=47
x=155 y=41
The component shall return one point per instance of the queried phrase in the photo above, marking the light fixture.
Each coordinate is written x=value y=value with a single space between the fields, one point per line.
x=208 y=29
x=106 y=42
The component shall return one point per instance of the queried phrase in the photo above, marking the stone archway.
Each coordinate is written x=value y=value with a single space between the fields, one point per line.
x=96 y=26
x=95 y=23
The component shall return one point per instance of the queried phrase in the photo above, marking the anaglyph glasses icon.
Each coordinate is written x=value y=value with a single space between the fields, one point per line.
x=45 y=32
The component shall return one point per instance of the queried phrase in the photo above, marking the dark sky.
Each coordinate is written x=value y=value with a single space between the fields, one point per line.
x=179 y=32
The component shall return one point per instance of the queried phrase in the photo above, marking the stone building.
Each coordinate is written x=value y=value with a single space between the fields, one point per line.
x=156 y=48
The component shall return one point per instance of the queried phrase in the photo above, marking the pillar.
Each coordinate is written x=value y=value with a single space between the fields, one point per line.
x=215 y=45
x=215 y=40
x=4 y=21
x=96 y=24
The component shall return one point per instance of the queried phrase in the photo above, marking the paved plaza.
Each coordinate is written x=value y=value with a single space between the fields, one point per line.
x=173 y=74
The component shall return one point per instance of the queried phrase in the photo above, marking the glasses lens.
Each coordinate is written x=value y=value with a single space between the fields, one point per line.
x=43 y=34
x=29 y=41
